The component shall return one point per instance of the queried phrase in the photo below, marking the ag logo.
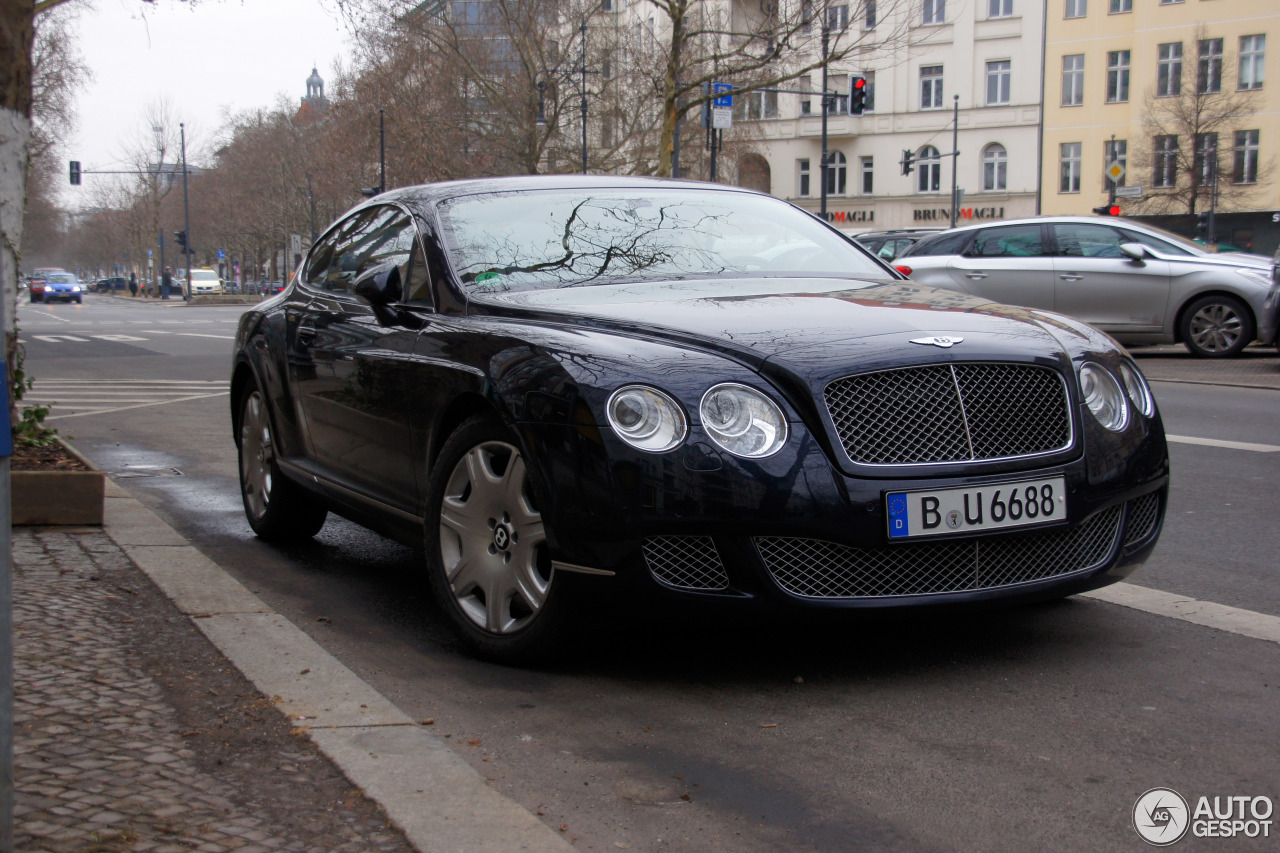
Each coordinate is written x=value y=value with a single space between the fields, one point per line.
x=1161 y=816
x=944 y=342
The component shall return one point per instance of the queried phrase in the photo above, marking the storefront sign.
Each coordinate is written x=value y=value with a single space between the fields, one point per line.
x=944 y=214
x=851 y=216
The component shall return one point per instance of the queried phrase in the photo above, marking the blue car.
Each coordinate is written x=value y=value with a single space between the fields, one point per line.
x=63 y=286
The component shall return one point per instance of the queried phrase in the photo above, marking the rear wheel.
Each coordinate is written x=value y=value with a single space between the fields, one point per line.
x=486 y=553
x=1217 y=327
x=277 y=508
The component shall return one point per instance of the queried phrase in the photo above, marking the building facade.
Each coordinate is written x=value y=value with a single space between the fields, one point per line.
x=1176 y=93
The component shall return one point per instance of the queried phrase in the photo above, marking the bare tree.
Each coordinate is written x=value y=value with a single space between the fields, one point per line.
x=1189 y=147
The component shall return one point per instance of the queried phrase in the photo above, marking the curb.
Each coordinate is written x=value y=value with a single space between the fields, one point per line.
x=435 y=798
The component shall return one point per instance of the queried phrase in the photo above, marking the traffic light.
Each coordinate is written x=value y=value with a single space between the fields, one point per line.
x=1202 y=225
x=1107 y=210
x=857 y=94
x=75 y=173
x=182 y=239
x=908 y=159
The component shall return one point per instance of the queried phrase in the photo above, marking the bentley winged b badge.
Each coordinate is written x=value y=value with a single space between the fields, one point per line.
x=944 y=342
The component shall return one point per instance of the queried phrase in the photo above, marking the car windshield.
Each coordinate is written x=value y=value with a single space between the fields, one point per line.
x=204 y=275
x=61 y=278
x=563 y=238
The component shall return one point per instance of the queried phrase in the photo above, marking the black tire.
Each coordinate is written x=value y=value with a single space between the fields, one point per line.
x=528 y=617
x=278 y=509
x=34 y=299
x=79 y=300
x=1217 y=327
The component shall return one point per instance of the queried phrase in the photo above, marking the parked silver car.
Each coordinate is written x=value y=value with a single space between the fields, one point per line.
x=1141 y=284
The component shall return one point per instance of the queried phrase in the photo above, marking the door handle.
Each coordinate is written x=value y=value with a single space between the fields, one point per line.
x=1071 y=276
x=975 y=275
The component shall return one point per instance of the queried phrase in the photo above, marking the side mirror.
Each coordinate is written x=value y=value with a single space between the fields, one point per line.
x=379 y=286
x=1133 y=251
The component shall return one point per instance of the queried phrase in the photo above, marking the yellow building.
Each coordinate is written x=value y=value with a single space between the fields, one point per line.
x=1176 y=93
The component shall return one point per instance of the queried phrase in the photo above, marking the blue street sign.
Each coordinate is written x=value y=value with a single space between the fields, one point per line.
x=222 y=256
x=725 y=99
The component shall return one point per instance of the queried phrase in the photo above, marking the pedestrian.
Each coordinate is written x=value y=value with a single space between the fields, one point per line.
x=133 y=284
x=166 y=281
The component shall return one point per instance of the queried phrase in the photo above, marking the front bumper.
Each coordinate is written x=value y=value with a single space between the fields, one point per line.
x=797 y=531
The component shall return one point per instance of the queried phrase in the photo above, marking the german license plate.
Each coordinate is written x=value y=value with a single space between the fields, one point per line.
x=936 y=512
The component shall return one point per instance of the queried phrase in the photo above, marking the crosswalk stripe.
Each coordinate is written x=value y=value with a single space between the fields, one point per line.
x=75 y=398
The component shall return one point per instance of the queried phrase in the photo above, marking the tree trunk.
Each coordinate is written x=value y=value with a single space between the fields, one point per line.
x=17 y=33
x=671 y=92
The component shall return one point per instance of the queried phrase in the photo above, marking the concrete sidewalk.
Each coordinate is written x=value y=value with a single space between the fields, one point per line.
x=1256 y=367
x=160 y=706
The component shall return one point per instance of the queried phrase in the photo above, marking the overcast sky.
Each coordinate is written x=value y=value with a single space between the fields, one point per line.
x=236 y=54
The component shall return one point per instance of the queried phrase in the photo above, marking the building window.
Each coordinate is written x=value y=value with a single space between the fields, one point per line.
x=995 y=168
x=1252 y=53
x=806 y=105
x=869 y=15
x=1210 y=77
x=868 y=184
x=803 y=166
x=1246 y=165
x=1169 y=69
x=1076 y=9
x=757 y=105
x=1070 y=159
x=931 y=87
x=1073 y=80
x=838 y=17
x=999 y=76
x=838 y=104
x=837 y=174
x=1169 y=2
x=1206 y=156
x=999 y=8
x=1118 y=6
x=1115 y=150
x=935 y=12
x=1117 y=76
x=870 y=88
x=929 y=165
x=1166 y=162
x=807 y=14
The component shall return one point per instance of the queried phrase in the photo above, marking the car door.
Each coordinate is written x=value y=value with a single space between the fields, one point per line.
x=1097 y=283
x=1007 y=263
x=349 y=369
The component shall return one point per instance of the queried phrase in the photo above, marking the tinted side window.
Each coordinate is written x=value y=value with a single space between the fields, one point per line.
x=1011 y=241
x=1087 y=241
x=1163 y=246
x=943 y=244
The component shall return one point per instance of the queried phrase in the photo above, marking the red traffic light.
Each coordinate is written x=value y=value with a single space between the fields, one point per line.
x=1113 y=210
x=859 y=82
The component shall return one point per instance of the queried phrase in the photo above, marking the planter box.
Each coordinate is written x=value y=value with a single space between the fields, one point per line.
x=57 y=497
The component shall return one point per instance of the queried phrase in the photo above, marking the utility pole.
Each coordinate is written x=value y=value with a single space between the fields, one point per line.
x=826 y=46
x=6 y=597
x=582 y=77
x=382 y=157
x=186 y=210
x=955 y=154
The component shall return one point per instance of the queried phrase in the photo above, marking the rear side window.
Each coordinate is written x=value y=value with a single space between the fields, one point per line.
x=1012 y=241
x=942 y=244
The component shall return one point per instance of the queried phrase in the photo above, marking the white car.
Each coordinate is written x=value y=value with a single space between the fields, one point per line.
x=204 y=282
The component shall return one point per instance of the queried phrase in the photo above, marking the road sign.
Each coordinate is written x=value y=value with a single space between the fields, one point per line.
x=295 y=244
x=1115 y=171
x=222 y=256
x=1128 y=192
x=722 y=106
x=150 y=253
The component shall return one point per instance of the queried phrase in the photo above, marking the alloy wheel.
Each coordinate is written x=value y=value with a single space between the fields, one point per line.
x=1216 y=327
x=491 y=539
x=257 y=453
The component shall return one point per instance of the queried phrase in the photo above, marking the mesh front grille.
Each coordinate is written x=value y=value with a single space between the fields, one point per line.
x=1141 y=518
x=950 y=413
x=687 y=562
x=813 y=568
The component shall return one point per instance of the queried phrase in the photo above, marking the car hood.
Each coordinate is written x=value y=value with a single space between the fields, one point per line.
x=1231 y=260
x=760 y=319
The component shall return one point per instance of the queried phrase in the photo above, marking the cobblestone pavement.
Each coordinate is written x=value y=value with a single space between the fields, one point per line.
x=1256 y=367
x=132 y=733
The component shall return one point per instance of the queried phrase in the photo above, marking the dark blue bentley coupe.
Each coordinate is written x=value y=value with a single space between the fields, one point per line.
x=691 y=391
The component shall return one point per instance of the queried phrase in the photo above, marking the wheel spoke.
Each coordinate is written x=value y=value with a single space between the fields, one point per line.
x=498 y=608
x=460 y=518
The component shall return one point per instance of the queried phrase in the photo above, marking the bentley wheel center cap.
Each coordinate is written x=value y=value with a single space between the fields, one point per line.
x=501 y=537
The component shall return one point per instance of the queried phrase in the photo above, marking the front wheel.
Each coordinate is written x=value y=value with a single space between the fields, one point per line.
x=486 y=551
x=1217 y=327
x=277 y=508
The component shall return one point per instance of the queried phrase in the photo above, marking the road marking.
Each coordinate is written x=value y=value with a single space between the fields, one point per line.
x=198 y=335
x=57 y=339
x=118 y=338
x=138 y=406
x=74 y=398
x=47 y=313
x=1230 y=445
x=1233 y=620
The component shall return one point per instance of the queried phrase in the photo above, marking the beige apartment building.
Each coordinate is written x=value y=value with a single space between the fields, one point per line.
x=1176 y=93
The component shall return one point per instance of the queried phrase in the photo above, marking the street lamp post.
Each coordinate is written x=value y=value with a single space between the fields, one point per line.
x=826 y=44
x=581 y=70
x=186 y=211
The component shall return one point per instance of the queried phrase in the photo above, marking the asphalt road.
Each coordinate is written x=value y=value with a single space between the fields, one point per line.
x=1030 y=728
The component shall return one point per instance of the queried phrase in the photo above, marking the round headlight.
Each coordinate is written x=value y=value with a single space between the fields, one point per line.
x=646 y=418
x=743 y=421
x=1138 y=390
x=1103 y=397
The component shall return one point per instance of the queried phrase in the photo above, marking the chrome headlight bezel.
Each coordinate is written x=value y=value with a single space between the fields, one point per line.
x=662 y=426
x=1135 y=385
x=757 y=415
x=1101 y=394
